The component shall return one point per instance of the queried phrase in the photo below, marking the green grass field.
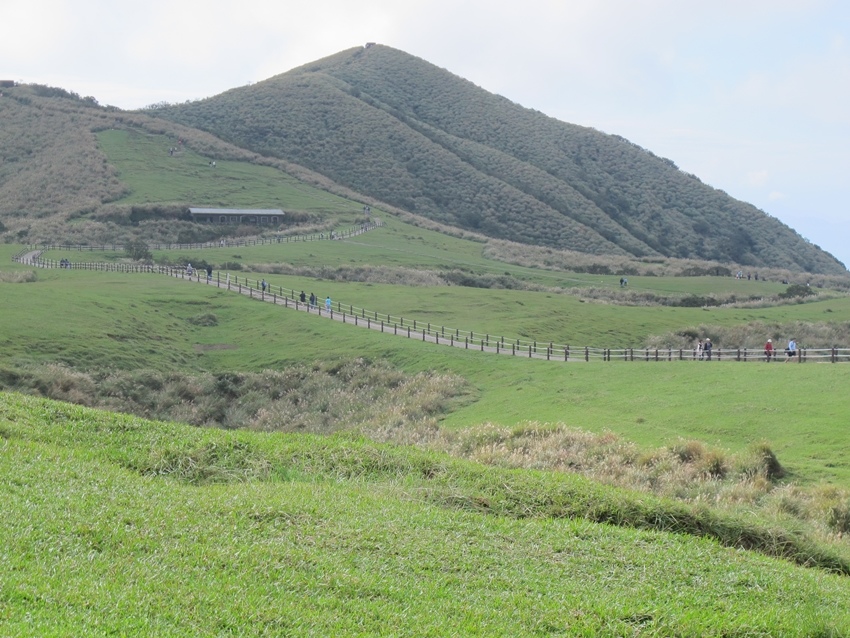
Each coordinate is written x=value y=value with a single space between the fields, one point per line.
x=121 y=526
x=114 y=525
x=153 y=175
x=141 y=321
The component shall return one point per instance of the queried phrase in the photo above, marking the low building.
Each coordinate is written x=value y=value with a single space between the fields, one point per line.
x=259 y=216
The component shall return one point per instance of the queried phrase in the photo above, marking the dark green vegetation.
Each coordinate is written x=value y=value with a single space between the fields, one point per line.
x=118 y=526
x=405 y=132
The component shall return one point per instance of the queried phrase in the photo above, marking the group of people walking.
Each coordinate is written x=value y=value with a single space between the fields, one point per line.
x=314 y=301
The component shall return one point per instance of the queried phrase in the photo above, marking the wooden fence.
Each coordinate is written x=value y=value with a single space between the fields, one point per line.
x=227 y=243
x=438 y=334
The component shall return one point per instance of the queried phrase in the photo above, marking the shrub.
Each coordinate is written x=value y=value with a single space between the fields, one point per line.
x=138 y=250
x=797 y=290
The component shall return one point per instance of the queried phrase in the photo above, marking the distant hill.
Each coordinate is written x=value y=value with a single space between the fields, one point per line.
x=380 y=125
x=60 y=183
x=399 y=129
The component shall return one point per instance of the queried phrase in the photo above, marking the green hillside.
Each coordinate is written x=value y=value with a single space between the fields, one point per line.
x=396 y=128
x=300 y=476
x=118 y=526
x=71 y=171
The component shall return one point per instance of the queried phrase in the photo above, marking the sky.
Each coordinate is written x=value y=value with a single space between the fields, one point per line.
x=751 y=96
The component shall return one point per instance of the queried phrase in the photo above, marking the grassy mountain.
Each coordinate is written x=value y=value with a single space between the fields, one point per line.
x=396 y=128
x=72 y=171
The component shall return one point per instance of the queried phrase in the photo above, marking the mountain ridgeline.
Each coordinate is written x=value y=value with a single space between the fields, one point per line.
x=403 y=131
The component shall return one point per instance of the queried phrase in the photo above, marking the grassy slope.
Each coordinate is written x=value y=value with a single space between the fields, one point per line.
x=154 y=176
x=134 y=321
x=345 y=554
x=308 y=536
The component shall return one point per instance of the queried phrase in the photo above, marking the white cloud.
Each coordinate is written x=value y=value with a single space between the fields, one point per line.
x=758 y=178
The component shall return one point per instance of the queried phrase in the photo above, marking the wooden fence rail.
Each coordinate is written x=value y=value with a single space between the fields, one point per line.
x=227 y=243
x=439 y=334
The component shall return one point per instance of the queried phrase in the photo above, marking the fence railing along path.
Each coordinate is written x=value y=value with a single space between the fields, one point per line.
x=221 y=243
x=432 y=333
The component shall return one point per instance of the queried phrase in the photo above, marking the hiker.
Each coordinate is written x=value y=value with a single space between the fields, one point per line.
x=328 y=304
x=698 y=349
x=189 y=269
x=209 y=272
x=312 y=300
x=302 y=297
x=791 y=350
x=263 y=284
x=768 y=350
x=707 y=348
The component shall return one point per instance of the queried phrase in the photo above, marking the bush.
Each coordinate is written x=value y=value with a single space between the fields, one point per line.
x=138 y=250
x=797 y=290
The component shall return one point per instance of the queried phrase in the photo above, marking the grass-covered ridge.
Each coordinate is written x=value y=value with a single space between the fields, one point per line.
x=345 y=537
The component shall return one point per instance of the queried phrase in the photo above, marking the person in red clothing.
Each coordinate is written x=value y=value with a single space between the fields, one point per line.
x=768 y=350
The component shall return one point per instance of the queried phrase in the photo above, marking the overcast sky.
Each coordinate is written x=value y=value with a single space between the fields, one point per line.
x=752 y=96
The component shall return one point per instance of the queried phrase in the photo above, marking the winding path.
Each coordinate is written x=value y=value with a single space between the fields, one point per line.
x=427 y=332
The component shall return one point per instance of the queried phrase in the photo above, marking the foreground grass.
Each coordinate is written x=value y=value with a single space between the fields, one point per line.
x=115 y=525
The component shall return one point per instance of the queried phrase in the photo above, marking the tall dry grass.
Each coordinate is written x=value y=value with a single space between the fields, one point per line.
x=573 y=261
x=686 y=470
x=374 y=400
x=322 y=397
x=753 y=335
x=18 y=276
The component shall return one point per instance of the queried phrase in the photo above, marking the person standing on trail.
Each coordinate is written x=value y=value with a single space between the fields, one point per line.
x=189 y=269
x=707 y=348
x=328 y=304
x=302 y=297
x=768 y=350
x=312 y=300
x=698 y=349
x=209 y=272
x=263 y=284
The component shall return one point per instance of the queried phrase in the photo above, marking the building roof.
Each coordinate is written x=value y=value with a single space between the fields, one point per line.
x=236 y=211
